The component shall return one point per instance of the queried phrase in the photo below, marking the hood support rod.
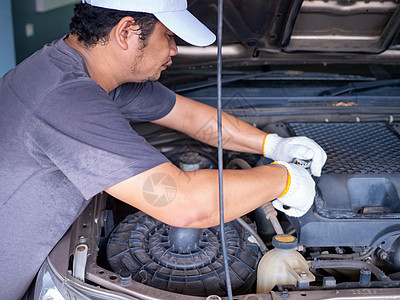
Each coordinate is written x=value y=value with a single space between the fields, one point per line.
x=220 y=160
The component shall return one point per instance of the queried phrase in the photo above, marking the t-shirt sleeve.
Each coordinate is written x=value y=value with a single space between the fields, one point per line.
x=81 y=130
x=143 y=102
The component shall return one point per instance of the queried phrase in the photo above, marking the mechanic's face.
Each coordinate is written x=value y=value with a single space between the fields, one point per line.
x=156 y=56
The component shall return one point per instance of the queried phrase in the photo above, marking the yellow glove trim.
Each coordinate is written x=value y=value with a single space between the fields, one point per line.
x=263 y=145
x=289 y=180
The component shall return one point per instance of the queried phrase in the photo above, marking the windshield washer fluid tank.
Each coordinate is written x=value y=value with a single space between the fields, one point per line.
x=283 y=265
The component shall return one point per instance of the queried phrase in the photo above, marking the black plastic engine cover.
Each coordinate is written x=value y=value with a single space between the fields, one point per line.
x=357 y=201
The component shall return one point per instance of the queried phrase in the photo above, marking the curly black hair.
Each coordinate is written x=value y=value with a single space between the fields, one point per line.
x=93 y=24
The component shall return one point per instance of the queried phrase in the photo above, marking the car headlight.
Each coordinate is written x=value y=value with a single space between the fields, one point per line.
x=49 y=284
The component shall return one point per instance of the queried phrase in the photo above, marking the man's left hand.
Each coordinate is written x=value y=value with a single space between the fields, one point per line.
x=291 y=148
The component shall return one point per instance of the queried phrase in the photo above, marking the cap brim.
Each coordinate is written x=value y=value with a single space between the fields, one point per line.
x=187 y=27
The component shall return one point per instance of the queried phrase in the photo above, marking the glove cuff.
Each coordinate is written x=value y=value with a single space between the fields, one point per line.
x=270 y=142
x=297 y=178
x=300 y=196
x=289 y=179
x=294 y=176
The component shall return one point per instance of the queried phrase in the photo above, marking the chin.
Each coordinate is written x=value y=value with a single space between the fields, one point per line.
x=155 y=77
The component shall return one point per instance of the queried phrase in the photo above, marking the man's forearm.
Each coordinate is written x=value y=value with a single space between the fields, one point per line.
x=200 y=122
x=190 y=199
x=237 y=135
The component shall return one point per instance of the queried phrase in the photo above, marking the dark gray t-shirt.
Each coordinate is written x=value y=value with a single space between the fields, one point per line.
x=63 y=140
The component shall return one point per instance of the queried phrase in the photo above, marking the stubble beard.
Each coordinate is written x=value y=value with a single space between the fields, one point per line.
x=154 y=77
x=135 y=71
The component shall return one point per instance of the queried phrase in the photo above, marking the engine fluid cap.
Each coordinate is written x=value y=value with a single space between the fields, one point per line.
x=284 y=241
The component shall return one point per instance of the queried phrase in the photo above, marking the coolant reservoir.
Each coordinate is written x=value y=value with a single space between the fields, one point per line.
x=282 y=265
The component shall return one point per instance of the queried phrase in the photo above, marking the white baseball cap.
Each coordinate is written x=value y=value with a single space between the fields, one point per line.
x=172 y=13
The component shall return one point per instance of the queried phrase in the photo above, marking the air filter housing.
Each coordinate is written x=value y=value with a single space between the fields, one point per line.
x=145 y=247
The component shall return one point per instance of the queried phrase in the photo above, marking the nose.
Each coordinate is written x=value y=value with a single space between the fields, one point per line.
x=173 y=49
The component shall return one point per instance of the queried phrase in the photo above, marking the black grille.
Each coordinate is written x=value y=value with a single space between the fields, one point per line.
x=354 y=148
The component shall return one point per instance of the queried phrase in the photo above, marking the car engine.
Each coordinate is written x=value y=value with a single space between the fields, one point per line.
x=349 y=239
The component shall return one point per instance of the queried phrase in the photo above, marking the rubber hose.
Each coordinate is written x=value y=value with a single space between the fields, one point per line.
x=260 y=242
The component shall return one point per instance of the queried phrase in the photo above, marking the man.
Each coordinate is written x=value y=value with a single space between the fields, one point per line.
x=66 y=135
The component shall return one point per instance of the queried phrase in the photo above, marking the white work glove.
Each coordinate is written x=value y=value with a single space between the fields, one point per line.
x=299 y=193
x=300 y=147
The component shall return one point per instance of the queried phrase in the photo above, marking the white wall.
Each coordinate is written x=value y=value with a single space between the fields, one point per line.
x=7 y=51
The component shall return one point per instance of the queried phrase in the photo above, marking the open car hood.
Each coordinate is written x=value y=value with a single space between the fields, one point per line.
x=297 y=31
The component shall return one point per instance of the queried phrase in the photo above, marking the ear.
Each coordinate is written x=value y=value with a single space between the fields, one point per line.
x=125 y=31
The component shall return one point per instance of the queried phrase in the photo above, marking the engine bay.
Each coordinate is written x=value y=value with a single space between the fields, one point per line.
x=349 y=239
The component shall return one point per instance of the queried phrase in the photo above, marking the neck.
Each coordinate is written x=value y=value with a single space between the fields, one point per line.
x=96 y=62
